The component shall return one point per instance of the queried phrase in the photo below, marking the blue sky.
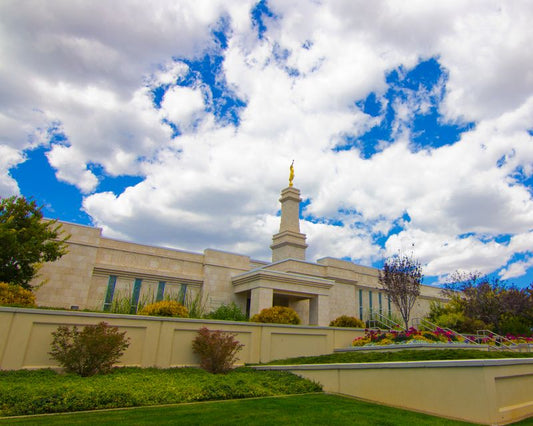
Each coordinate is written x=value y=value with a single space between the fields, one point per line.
x=411 y=125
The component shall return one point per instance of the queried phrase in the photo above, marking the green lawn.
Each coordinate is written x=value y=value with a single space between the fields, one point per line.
x=311 y=409
x=401 y=355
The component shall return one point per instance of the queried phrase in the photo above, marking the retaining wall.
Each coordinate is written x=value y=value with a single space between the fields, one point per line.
x=492 y=391
x=25 y=337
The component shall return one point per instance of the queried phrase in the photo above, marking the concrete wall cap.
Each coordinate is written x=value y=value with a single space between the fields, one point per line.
x=403 y=364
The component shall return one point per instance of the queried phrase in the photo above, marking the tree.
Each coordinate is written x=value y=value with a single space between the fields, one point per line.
x=499 y=306
x=400 y=279
x=26 y=240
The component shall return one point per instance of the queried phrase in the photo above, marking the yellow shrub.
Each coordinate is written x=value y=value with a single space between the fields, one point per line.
x=347 y=321
x=277 y=315
x=165 y=308
x=14 y=295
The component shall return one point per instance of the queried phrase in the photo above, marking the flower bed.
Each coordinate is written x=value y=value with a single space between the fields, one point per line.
x=439 y=336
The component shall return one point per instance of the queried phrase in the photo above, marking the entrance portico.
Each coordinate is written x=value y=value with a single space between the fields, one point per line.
x=307 y=295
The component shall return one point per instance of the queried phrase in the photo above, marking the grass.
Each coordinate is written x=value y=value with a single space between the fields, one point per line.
x=400 y=355
x=44 y=391
x=310 y=409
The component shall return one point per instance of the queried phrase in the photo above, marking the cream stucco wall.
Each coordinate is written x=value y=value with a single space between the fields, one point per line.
x=496 y=391
x=25 y=338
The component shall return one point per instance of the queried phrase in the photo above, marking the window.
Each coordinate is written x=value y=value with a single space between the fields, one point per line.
x=110 y=292
x=360 y=304
x=160 y=291
x=182 y=294
x=370 y=304
x=135 y=295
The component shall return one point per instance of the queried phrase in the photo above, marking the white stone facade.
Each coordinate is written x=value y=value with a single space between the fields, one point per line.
x=98 y=269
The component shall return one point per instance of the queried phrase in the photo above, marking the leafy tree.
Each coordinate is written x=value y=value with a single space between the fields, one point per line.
x=489 y=301
x=400 y=279
x=26 y=240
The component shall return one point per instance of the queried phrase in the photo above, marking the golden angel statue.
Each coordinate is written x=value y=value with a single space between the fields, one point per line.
x=291 y=173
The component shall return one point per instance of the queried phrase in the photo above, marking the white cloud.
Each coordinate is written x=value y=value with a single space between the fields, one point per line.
x=182 y=105
x=9 y=157
x=516 y=269
x=88 y=71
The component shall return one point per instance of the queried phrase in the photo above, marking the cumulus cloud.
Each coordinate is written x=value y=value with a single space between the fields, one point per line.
x=209 y=102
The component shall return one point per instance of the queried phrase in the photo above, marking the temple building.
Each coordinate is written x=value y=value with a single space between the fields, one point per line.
x=98 y=271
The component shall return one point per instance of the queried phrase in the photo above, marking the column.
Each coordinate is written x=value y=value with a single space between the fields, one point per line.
x=319 y=310
x=261 y=298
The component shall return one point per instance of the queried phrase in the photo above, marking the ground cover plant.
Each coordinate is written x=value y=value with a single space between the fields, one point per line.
x=310 y=409
x=45 y=391
x=401 y=355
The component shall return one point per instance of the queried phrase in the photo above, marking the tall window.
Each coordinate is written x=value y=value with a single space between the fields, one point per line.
x=135 y=295
x=380 y=304
x=183 y=293
x=160 y=291
x=110 y=292
x=370 y=304
x=360 y=304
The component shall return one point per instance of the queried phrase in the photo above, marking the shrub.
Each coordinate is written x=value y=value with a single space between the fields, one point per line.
x=277 y=315
x=165 y=308
x=229 y=312
x=91 y=351
x=217 y=350
x=347 y=321
x=15 y=295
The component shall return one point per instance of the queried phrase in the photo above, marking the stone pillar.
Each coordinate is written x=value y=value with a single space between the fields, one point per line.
x=289 y=242
x=260 y=298
x=319 y=310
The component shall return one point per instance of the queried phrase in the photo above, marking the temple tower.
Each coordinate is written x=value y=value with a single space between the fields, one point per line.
x=289 y=242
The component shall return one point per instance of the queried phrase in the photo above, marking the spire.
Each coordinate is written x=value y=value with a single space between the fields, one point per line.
x=289 y=242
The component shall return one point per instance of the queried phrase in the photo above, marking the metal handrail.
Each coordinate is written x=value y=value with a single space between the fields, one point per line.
x=376 y=319
x=496 y=338
x=428 y=324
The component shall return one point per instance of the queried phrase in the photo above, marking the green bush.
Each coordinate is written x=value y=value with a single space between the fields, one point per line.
x=15 y=295
x=347 y=321
x=229 y=312
x=165 y=308
x=91 y=351
x=515 y=325
x=217 y=350
x=277 y=315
